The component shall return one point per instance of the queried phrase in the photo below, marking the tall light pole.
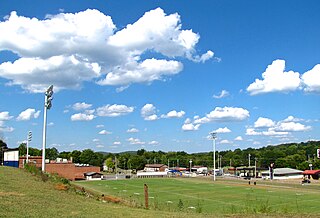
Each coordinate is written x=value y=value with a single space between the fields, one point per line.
x=214 y=136
x=255 y=167
x=190 y=161
x=47 y=106
x=249 y=159
x=29 y=137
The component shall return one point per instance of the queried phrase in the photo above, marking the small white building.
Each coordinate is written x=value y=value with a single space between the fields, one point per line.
x=155 y=168
x=93 y=176
x=199 y=169
x=283 y=173
x=11 y=157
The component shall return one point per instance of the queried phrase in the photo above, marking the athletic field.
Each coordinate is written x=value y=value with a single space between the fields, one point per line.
x=220 y=197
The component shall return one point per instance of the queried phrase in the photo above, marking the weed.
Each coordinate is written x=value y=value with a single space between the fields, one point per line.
x=264 y=207
x=180 y=205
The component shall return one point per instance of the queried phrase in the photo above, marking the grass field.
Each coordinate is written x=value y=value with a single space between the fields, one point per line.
x=24 y=195
x=223 y=197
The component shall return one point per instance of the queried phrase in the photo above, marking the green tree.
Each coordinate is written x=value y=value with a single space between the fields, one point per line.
x=137 y=162
x=75 y=156
x=88 y=156
x=22 y=149
x=141 y=152
x=109 y=163
x=65 y=154
x=3 y=146
x=52 y=153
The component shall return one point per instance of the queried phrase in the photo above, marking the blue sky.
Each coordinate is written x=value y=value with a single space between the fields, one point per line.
x=160 y=75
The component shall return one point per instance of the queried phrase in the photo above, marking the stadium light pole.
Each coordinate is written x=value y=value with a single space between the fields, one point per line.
x=29 y=137
x=213 y=137
x=47 y=105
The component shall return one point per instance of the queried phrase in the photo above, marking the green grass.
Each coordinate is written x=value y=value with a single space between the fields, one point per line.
x=24 y=195
x=223 y=197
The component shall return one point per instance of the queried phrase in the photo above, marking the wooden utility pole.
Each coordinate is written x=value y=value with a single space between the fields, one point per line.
x=146 y=196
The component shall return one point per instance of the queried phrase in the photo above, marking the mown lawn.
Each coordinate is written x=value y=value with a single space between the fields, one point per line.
x=223 y=197
x=24 y=195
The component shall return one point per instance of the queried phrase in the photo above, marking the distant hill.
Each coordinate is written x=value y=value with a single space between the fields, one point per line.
x=124 y=152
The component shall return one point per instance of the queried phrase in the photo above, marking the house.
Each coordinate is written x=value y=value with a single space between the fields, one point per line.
x=155 y=168
x=283 y=173
x=315 y=174
x=93 y=176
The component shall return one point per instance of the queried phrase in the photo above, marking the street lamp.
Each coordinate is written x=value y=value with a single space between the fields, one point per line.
x=249 y=159
x=190 y=161
x=47 y=105
x=213 y=137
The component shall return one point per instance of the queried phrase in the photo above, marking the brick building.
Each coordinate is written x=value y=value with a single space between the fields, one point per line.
x=64 y=168
x=70 y=170
x=37 y=160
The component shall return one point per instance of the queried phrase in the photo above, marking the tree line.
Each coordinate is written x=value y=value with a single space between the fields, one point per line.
x=292 y=155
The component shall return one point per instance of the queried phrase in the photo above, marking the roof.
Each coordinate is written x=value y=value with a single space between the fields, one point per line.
x=155 y=165
x=197 y=167
x=11 y=149
x=311 y=172
x=284 y=171
x=92 y=173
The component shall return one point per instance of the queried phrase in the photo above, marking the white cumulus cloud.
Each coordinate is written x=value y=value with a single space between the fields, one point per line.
x=132 y=130
x=148 y=112
x=173 y=114
x=81 y=106
x=4 y=116
x=68 y=49
x=225 y=114
x=135 y=141
x=189 y=126
x=114 y=110
x=280 y=128
x=311 y=79
x=222 y=130
x=28 y=114
x=263 y=122
x=104 y=132
x=82 y=117
x=275 y=79
x=292 y=127
x=238 y=138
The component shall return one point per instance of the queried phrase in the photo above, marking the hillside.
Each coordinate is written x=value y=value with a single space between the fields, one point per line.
x=24 y=195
